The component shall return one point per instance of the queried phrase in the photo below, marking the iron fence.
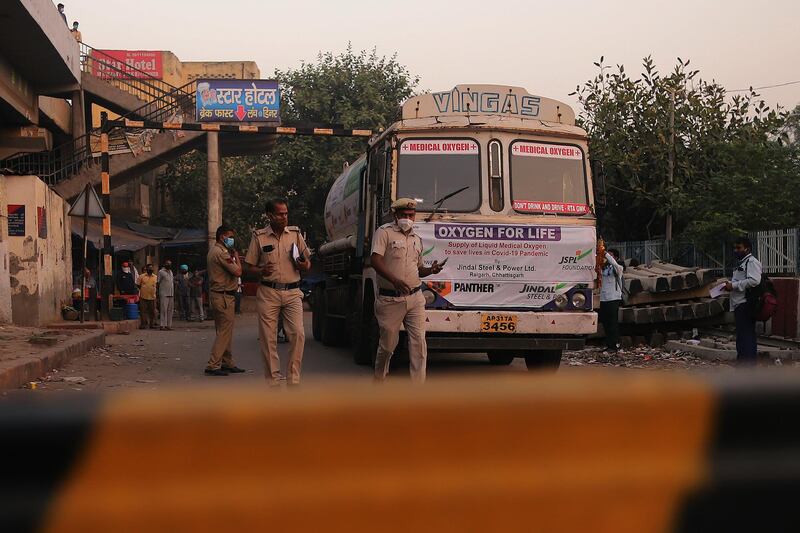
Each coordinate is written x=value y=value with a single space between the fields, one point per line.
x=778 y=251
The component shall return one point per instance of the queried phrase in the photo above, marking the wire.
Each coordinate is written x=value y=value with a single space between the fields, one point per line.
x=764 y=87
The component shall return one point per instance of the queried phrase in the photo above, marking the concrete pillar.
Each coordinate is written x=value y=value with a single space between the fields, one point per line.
x=214 y=186
x=78 y=115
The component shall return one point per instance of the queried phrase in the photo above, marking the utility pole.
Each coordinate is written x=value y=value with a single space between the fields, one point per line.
x=670 y=162
x=214 y=187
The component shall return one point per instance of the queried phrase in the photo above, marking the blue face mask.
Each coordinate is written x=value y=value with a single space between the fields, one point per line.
x=228 y=241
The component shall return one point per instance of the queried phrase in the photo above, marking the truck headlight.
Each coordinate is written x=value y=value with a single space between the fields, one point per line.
x=578 y=300
x=561 y=301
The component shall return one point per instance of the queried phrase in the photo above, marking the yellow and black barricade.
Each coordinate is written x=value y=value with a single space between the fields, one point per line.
x=580 y=452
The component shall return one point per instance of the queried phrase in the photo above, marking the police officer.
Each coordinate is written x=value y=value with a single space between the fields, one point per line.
x=272 y=257
x=224 y=269
x=397 y=258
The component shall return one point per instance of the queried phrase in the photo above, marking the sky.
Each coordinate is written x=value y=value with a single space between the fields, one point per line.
x=548 y=47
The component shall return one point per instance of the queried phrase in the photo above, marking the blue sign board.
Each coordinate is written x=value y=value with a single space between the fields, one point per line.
x=238 y=101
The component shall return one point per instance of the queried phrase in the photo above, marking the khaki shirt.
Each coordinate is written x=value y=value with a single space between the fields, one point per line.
x=222 y=275
x=281 y=254
x=402 y=254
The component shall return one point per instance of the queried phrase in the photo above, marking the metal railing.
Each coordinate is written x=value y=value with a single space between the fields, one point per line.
x=126 y=77
x=778 y=250
x=70 y=158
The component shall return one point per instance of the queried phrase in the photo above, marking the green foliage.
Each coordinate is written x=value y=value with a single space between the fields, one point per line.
x=733 y=172
x=354 y=90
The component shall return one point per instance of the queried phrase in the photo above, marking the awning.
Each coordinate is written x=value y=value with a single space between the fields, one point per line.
x=186 y=237
x=121 y=238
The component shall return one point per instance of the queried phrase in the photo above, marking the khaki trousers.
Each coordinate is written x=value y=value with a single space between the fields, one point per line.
x=288 y=305
x=409 y=311
x=166 y=308
x=223 y=306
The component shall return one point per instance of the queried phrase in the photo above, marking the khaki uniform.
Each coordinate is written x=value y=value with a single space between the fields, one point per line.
x=402 y=254
x=222 y=284
x=278 y=300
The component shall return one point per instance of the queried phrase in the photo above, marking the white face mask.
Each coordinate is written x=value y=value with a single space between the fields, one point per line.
x=405 y=224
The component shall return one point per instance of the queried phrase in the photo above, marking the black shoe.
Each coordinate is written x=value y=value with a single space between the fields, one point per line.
x=216 y=372
x=233 y=369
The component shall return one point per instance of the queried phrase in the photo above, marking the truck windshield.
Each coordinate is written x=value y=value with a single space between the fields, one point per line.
x=431 y=168
x=548 y=178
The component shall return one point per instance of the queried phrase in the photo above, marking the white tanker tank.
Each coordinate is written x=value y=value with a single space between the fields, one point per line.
x=341 y=209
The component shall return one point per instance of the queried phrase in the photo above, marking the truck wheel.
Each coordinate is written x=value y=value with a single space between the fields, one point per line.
x=500 y=358
x=334 y=332
x=317 y=310
x=365 y=342
x=543 y=359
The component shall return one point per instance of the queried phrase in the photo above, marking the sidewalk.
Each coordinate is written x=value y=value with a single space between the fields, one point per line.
x=26 y=354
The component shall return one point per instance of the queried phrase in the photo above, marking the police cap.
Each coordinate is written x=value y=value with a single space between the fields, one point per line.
x=404 y=203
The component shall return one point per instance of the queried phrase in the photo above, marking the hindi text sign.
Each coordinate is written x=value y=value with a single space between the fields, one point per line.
x=238 y=101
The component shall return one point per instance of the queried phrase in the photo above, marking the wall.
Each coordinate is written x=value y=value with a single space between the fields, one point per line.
x=243 y=70
x=40 y=267
x=5 y=281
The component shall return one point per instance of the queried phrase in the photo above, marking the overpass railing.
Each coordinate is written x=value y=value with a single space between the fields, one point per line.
x=70 y=158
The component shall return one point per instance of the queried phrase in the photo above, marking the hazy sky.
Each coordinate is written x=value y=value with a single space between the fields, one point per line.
x=545 y=46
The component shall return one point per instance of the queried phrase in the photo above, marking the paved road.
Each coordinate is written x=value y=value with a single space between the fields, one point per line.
x=153 y=358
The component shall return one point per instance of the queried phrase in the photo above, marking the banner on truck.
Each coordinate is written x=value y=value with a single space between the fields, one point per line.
x=507 y=265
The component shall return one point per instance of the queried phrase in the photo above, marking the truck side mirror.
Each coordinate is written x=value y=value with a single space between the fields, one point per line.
x=599 y=179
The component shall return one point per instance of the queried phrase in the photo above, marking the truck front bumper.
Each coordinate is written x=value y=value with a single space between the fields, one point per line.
x=539 y=323
x=460 y=331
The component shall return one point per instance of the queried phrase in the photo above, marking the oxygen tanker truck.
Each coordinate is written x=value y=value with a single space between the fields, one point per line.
x=504 y=194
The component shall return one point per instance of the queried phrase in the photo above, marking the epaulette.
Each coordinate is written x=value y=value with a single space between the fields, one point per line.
x=261 y=231
x=292 y=228
x=387 y=225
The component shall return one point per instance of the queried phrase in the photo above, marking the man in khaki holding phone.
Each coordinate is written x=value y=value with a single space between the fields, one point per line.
x=397 y=258
x=278 y=253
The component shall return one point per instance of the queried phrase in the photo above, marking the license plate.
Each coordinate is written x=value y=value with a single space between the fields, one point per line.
x=492 y=323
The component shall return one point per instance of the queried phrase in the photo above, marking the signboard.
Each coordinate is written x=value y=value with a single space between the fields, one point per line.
x=507 y=265
x=16 y=220
x=481 y=99
x=548 y=151
x=95 y=206
x=41 y=221
x=443 y=147
x=238 y=101
x=144 y=64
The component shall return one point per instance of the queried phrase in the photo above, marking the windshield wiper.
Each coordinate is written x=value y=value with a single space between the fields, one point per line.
x=438 y=203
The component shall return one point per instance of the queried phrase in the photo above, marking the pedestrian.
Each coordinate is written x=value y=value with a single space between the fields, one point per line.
x=166 y=295
x=397 y=258
x=611 y=298
x=126 y=280
x=278 y=254
x=76 y=32
x=63 y=15
x=239 y=296
x=224 y=269
x=147 y=297
x=747 y=275
x=196 y=295
x=182 y=293
x=90 y=294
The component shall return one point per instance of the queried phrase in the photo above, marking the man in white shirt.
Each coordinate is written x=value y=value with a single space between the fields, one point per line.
x=747 y=275
x=166 y=295
x=611 y=299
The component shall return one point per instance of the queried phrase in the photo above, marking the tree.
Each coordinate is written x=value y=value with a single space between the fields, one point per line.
x=730 y=168
x=352 y=90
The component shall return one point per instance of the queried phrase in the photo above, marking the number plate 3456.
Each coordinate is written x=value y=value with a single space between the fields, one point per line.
x=493 y=323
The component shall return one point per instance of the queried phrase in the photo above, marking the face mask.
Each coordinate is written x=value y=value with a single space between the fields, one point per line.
x=228 y=241
x=126 y=270
x=740 y=255
x=168 y=266
x=149 y=270
x=405 y=223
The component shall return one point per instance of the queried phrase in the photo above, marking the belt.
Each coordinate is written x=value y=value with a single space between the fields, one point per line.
x=388 y=292
x=281 y=286
x=229 y=293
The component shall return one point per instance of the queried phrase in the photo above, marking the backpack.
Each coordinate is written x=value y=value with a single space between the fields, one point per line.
x=762 y=300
